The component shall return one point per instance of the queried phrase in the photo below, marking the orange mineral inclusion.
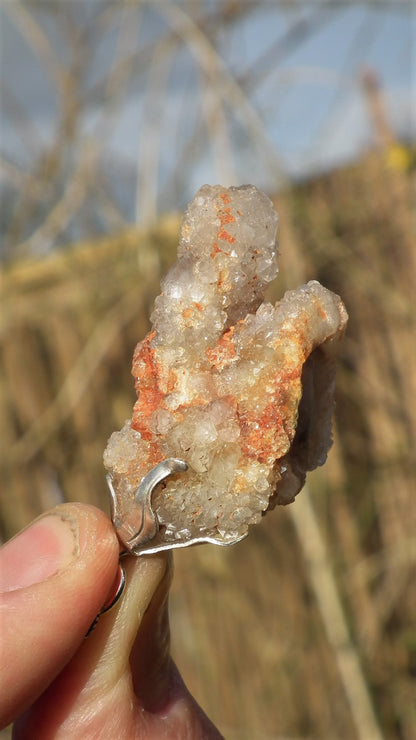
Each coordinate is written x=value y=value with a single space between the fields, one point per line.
x=240 y=389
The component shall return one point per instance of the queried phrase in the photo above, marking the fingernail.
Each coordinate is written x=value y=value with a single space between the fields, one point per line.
x=47 y=546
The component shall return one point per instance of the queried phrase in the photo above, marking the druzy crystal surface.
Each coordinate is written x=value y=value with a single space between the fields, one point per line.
x=240 y=389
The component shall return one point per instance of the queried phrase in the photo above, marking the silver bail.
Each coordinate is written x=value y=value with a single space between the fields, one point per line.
x=141 y=525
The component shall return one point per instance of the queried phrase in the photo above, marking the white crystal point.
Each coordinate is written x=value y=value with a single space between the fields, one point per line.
x=239 y=389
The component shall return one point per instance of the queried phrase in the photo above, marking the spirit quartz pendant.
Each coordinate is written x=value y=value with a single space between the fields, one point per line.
x=234 y=395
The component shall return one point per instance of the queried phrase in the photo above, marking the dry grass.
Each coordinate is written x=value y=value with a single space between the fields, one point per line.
x=266 y=633
x=307 y=629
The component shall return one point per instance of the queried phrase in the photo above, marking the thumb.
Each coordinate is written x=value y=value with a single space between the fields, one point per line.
x=122 y=682
x=54 y=577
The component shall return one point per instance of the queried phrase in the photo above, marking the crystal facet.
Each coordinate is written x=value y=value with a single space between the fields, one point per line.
x=240 y=389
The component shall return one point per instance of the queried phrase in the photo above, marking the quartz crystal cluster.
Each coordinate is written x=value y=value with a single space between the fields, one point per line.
x=240 y=389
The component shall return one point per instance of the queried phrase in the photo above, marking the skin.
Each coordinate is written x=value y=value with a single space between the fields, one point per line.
x=120 y=681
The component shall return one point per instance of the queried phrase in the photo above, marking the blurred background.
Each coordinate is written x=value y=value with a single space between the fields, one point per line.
x=112 y=115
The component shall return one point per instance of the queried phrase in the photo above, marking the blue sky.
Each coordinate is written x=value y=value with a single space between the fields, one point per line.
x=279 y=99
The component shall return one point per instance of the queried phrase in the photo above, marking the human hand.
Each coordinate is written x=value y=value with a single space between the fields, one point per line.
x=120 y=681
